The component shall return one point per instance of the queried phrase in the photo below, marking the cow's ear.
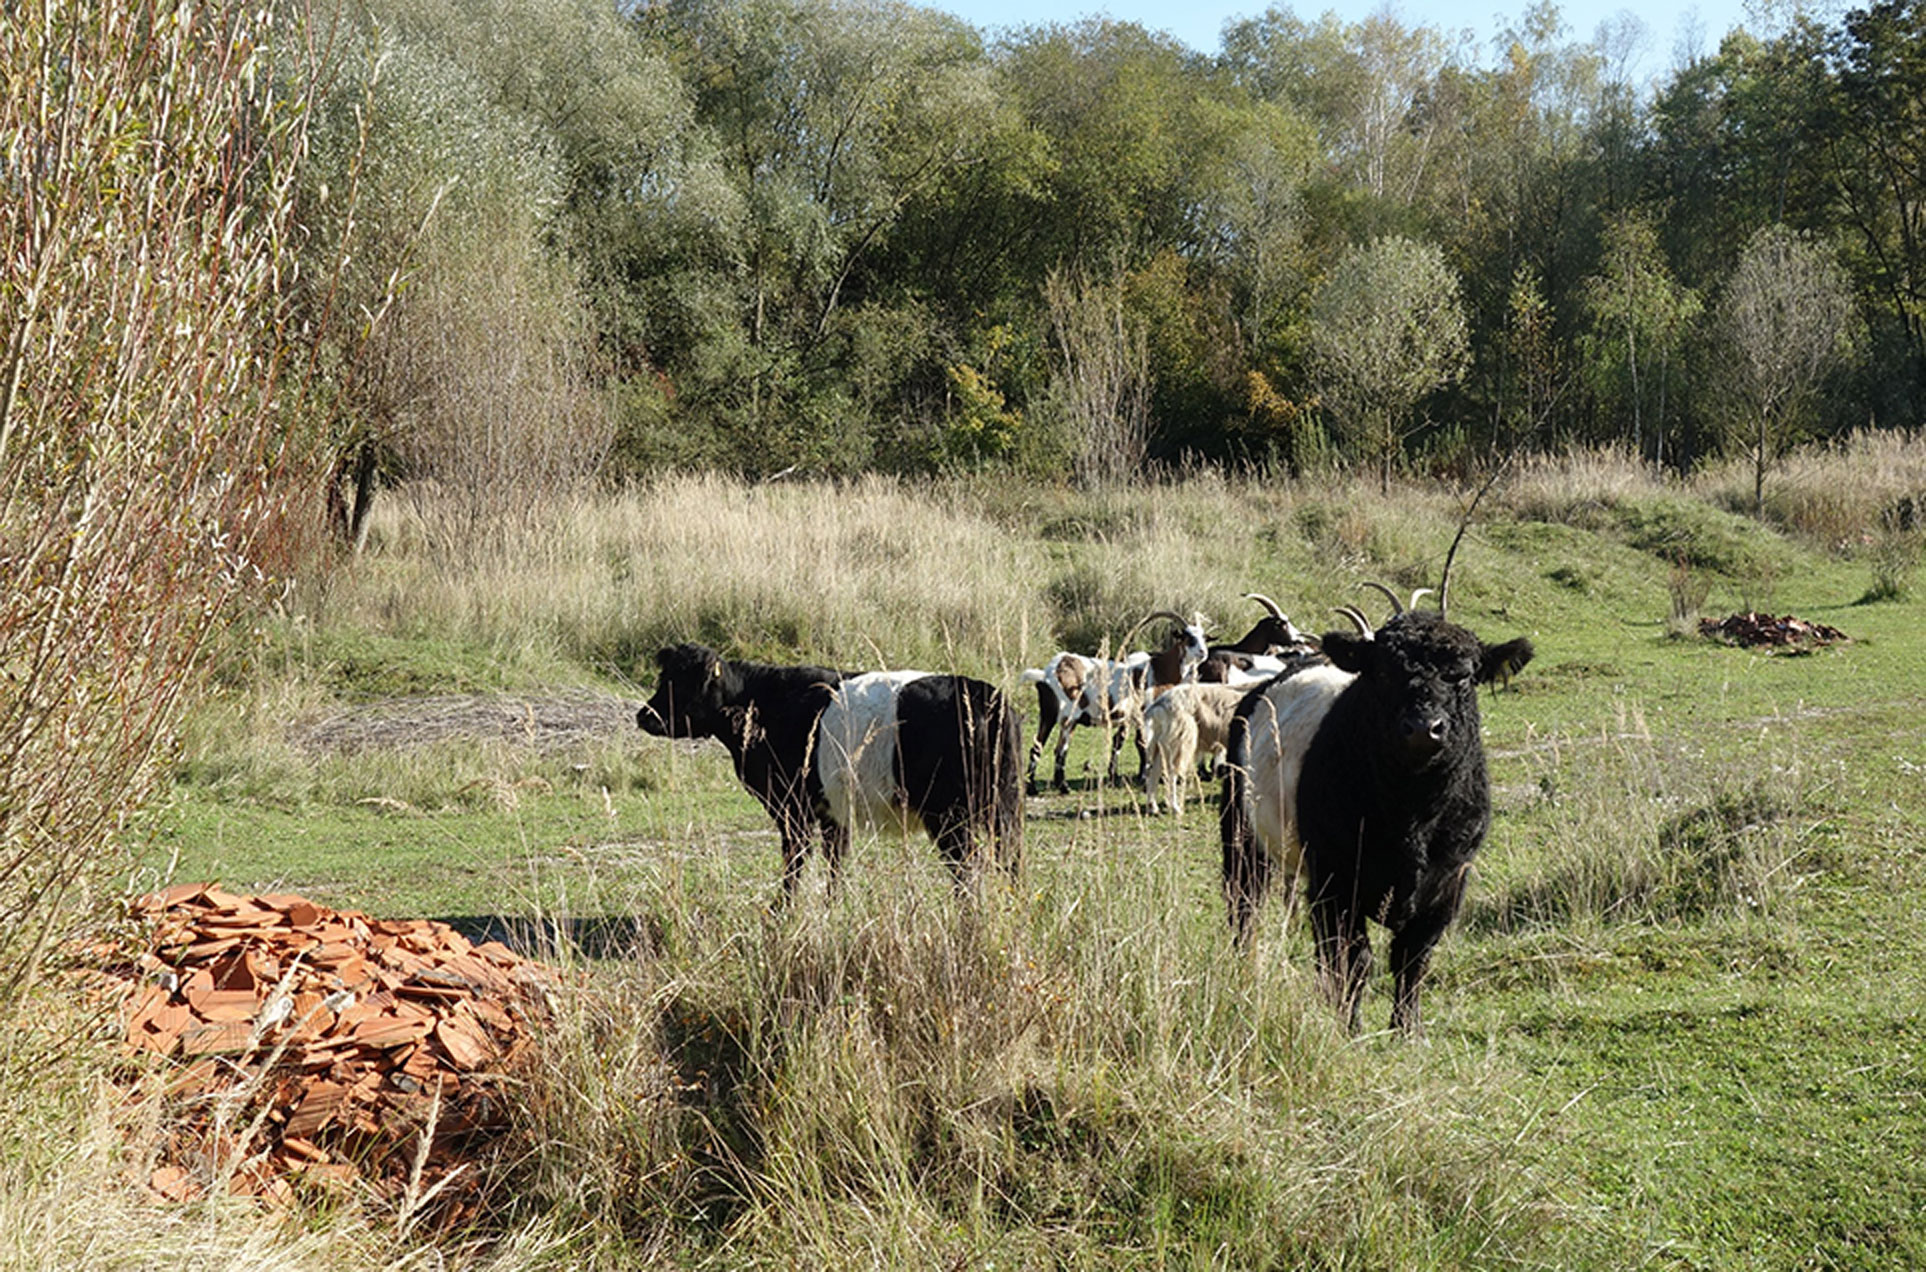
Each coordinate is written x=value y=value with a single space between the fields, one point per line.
x=1502 y=662
x=1349 y=651
x=687 y=659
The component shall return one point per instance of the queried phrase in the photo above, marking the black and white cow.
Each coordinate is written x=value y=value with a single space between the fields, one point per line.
x=1367 y=773
x=831 y=751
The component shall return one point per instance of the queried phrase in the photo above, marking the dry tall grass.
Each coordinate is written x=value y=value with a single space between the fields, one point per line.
x=1834 y=496
x=1073 y=1074
x=1838 y=497
x=880 y=572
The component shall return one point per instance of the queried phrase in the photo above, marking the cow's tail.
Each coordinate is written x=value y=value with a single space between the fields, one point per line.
x=1246 y=867
x=1004 y=746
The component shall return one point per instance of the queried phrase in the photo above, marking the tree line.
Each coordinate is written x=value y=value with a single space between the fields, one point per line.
x=830 y=236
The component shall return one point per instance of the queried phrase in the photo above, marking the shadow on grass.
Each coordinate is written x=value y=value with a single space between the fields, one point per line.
x=614 y=936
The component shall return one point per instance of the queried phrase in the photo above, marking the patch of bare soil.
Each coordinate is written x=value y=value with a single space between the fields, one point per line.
x=545 y=722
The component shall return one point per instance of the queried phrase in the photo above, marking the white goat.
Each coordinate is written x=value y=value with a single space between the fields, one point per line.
x=1181 y=724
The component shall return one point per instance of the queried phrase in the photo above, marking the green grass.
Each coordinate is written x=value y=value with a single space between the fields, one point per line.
x=1676 y=1026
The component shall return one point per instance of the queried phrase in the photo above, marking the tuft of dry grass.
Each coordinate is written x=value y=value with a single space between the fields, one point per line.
x=1070 y=1070
x=1836 y=497
x=1631 y=828
x=1578 y=487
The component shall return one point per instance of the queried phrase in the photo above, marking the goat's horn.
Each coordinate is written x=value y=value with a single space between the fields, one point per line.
x=1172 y=615
x=1357 y=618
x=1268 y=604
x=1397 y=606
x=1418 y=592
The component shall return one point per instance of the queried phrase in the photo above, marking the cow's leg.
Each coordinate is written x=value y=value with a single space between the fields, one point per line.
x=956 y=845
x=1343 y=957
x=1411 y=947
x=1063 y=750
x=1288 y=885
x=1247 y=868
x=795 y=849
x=1410 y=955
x=835 y=846
x=1247 y=872
x=1046 y=720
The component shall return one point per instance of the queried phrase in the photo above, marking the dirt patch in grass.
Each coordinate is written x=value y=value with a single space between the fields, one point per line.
x=541 y=722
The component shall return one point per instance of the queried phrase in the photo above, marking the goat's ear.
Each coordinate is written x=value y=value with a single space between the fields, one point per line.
x=1349 y=651
x=1502 y=662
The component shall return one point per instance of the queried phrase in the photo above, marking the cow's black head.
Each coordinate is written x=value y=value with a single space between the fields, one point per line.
x=1421 y=674
x=688 y=701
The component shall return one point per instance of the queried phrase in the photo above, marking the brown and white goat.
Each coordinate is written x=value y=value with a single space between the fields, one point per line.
x=1075 y=689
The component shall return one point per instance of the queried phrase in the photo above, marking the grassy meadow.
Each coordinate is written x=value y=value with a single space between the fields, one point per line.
x=1678 y=1024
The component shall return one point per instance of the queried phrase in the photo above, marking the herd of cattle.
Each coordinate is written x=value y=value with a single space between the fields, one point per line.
x=1352 y=762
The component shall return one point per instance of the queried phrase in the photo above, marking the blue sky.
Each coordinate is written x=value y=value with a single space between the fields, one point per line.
x=1671 y=27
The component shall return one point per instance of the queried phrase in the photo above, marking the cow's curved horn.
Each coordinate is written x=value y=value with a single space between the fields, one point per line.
x=1357 y=618
x=1416 y=593
x=1397 y=606
x=1269 y=605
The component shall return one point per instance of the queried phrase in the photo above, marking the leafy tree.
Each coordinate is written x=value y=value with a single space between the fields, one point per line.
x=829 y=120
x=1254 y=225
x=1875 y=133
x=1519 y=188
x=1638 y=322
x=633 y=195
x=1388 y=329
x=1735 y=147
x=1195 y=363
x=1361 y=84
x=1120 y=113
x=1784 y=321
x=475 y=370
x=1532 y=354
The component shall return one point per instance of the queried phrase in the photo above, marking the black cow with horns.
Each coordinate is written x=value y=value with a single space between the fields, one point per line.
x=1373 y=769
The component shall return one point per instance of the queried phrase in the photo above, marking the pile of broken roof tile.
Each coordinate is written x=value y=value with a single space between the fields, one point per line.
x=1756 y=631
x=314 y=1046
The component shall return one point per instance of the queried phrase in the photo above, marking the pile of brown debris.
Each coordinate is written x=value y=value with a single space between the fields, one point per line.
x=313 y=1046
x=1756 y=631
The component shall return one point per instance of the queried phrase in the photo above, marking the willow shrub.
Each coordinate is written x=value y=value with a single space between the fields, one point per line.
x=144 y=462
